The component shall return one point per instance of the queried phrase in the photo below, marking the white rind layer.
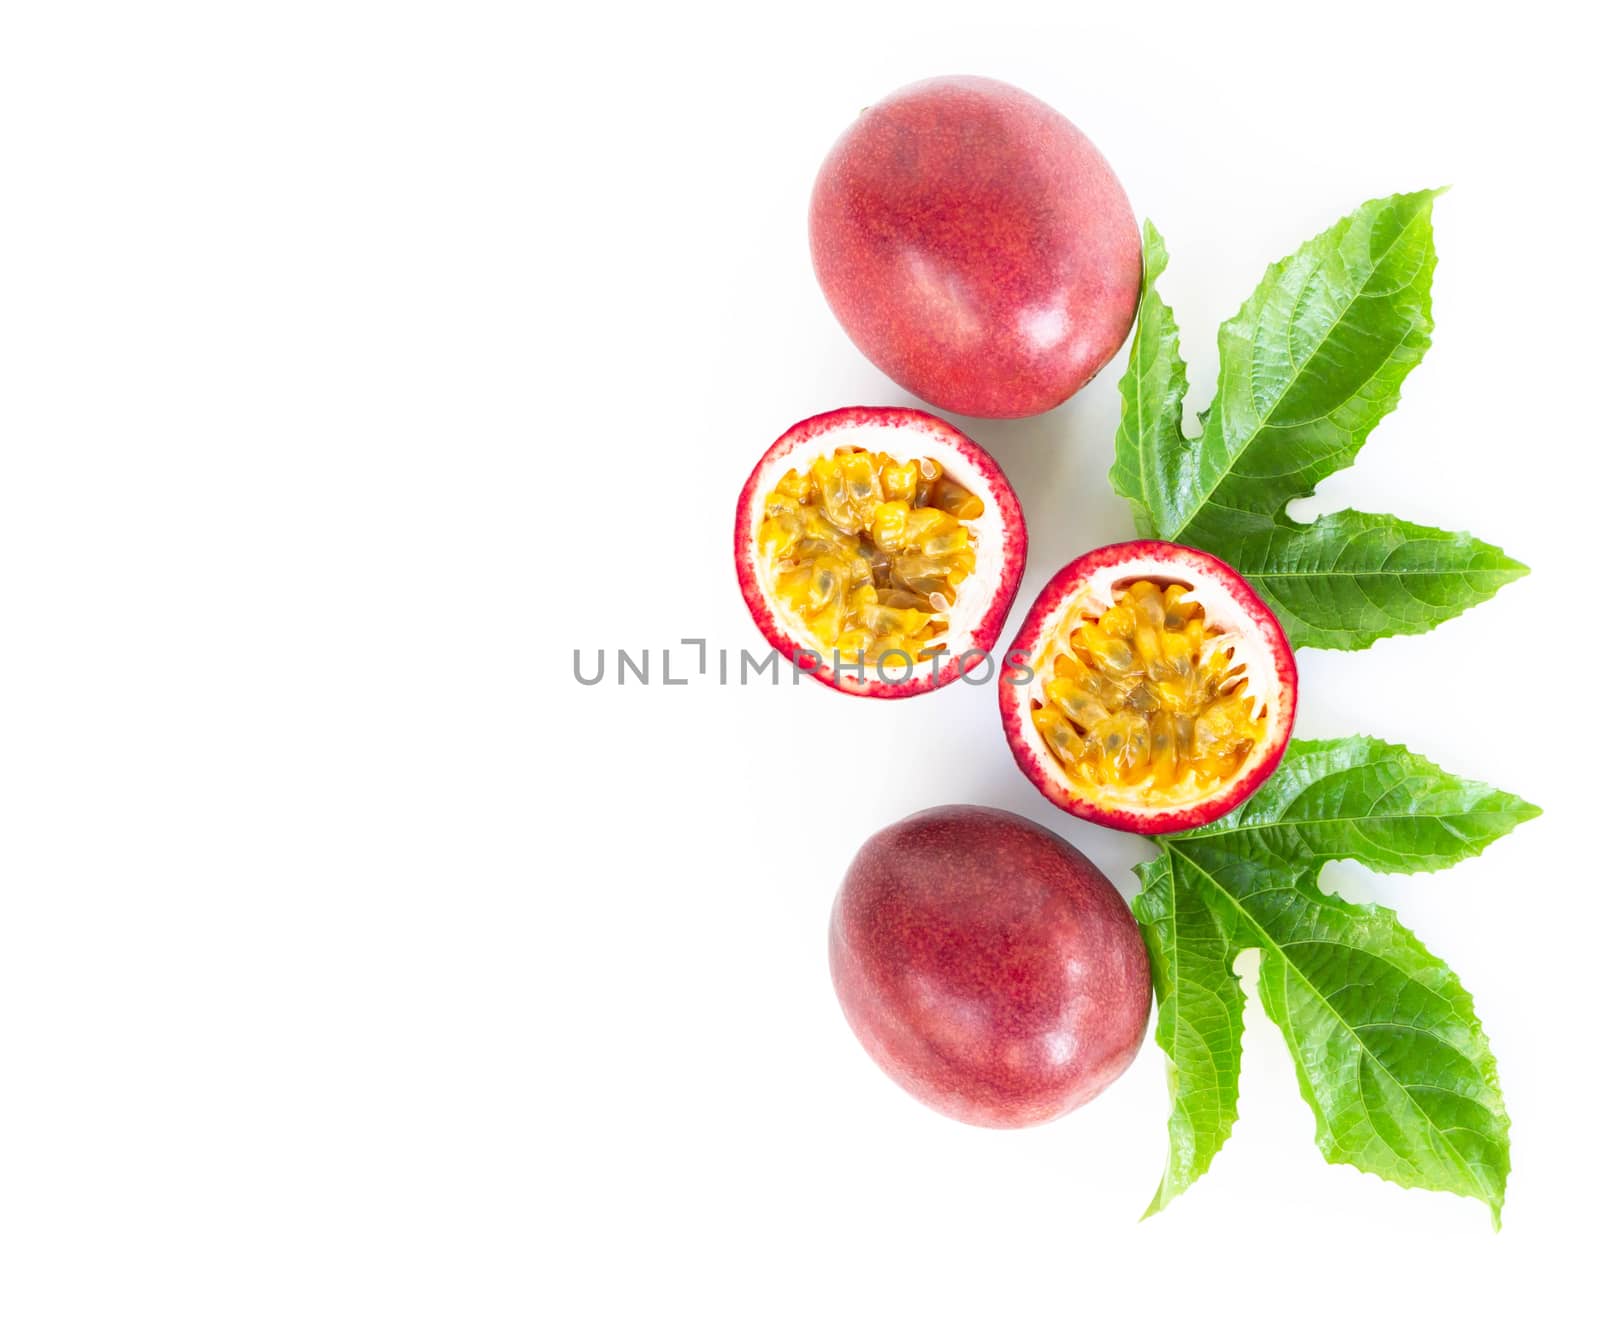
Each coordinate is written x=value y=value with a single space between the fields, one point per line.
x=989 y=533
x=1222 y=611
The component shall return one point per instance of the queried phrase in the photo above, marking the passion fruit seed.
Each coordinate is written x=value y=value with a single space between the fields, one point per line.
x=1143 y=696
x=869 y=551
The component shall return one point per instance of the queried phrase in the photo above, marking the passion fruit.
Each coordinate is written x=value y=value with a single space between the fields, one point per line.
x=976 y=247
x=988 y=967
x=1149 y=689
x=880 y=550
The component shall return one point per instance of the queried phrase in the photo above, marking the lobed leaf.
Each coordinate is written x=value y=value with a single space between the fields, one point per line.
x=1387 y=1047
x=1308 y=367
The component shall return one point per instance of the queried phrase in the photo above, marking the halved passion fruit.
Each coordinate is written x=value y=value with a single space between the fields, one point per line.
x=1149 y=689
x=879 y=550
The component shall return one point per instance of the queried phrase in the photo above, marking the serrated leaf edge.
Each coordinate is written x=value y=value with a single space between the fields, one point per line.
x=1523 y=811
x=1276 y=269
x=1171 y=1185
x=1493 y=1200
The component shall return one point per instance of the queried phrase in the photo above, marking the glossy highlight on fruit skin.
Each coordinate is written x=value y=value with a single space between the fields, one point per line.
x=987 y=966
x=976 y=247
x=1247 y=628
x=982 y=601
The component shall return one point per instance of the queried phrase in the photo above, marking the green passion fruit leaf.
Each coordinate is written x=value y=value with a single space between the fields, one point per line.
x=1389 y=1052
x=1309 y=365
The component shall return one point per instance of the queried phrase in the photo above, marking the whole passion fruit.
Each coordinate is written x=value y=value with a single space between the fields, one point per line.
x=1149 y=688
x=976 y=247
x=880 y=550
x=988 y=967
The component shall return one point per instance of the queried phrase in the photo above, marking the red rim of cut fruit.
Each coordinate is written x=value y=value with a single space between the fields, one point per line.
x=1230 y=604
x=1000 y=538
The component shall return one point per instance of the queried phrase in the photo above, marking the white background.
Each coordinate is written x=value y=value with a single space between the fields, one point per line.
x=358 y=363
